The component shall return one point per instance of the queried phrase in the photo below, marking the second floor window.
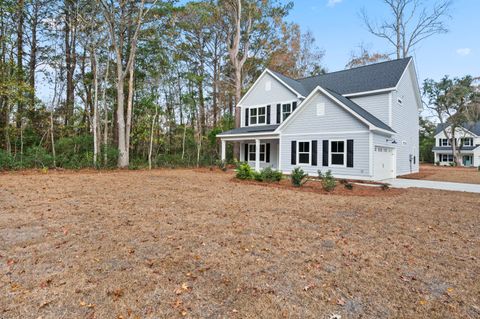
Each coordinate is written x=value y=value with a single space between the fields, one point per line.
x=286 y=110
x=258 y=115
x=467 y=141
x=445 y=142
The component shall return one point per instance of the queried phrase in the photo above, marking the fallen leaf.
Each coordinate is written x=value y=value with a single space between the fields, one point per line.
x=341 y=301
x=423 y=302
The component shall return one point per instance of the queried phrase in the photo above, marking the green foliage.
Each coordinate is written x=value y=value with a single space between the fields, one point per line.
x=223 y=165
x=6 y=161
x=244 y=171
x=268 y=175
x=427 y=140
x=298 y=177
x=348 y=186
x=327 y=180
x=37 y=157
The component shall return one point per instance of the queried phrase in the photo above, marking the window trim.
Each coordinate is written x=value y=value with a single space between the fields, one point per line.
x=309 y=152
x=264 y=152
x=282 y=113
x=448 y=143
x=257 y=116
x=469 y=139
x=344 y=153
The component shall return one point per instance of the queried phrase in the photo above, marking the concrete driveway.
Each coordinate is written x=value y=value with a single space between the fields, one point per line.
x=448 y=186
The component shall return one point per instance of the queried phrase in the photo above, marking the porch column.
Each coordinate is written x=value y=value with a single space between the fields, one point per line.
x=257 y=154
x=224 y=149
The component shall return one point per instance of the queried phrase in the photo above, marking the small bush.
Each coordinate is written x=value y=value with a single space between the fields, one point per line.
x=298 y=177
x=437 y=163
x=244 y=171
x=348 y=186
x=269 y=175
x=328 y=181
x=385 y=187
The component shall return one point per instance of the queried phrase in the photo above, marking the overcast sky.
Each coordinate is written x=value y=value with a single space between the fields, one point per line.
x=338 y=29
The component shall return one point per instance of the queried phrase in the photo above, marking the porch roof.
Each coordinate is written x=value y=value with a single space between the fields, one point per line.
x=250 y=129
x=449 y=148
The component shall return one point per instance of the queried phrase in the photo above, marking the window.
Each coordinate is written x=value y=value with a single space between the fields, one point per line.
x=251 y=152
x=303 y=153
x=286 y=110
x=320 y=109
x=446 y=157
x=467 y=141
x=445 y=142
x=258 y=115
x=337 y=153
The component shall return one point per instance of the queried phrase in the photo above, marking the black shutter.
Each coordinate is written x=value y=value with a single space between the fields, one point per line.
x=279 y=108
x=246 y=116
x=314 y=153
x=349 y=153
x=294 y=153
x=268 y=114
x=267 y=152
x=294 y=106
x=246 y=152
x=325 y=153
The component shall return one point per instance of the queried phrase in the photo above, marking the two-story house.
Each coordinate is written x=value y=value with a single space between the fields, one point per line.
x=360 y=123
x=467 y=138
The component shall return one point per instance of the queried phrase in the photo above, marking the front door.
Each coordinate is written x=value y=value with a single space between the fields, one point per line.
x=467 y=160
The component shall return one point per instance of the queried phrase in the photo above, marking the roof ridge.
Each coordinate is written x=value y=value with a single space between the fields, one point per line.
x=345 y=70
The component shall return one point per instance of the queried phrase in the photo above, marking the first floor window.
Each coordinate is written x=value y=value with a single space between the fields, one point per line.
x=258 y=115
x=337 y=153
x=446 y=157
x=252 y=151
x=286 y=110
x=303 y=152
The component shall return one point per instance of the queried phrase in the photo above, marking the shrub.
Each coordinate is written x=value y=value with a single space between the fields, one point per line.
x=244 y=171
x=298 y=177
x=385 y=187
x=437 y=163
x=6 y=160
x=328 y=182
x=269 y=175
x=478 y=168
x=348 y=186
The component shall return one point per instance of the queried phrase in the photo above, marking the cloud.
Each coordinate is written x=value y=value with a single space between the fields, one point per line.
x=332 y=3
x=464 y=51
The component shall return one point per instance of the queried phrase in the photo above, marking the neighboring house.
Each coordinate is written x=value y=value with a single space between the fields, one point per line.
x=467 y=138
x=360 y=123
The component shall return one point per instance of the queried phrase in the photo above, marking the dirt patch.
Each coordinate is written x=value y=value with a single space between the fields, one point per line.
x=315 y=186
x=470 y=175
x=185 y=244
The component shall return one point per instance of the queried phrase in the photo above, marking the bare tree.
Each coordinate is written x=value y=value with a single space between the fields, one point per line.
x=119 y=19
x=411 y=22
x=365 y=57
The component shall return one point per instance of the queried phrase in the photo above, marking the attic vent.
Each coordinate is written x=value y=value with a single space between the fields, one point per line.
x=320 y=109
x=268 y=85
x=399 y=100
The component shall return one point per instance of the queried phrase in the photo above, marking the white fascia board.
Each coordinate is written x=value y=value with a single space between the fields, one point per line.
x=275 y=77
x=247 y=135
x=416 y=87
x=370 y=92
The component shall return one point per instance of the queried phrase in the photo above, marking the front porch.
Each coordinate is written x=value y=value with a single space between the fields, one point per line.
x=258 y=152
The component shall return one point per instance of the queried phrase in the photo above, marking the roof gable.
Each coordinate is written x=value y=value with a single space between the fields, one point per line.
x=353 y=108
x=473 y=127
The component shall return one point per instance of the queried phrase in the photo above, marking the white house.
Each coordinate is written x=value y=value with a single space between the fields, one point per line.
x=467 y=138
x=360 y=123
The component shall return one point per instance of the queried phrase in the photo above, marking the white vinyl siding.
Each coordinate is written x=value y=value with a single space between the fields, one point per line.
x=405 y=123
x=377 y=105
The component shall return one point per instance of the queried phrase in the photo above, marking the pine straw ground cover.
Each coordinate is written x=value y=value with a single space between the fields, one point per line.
x=470 y=175
x=183 y=243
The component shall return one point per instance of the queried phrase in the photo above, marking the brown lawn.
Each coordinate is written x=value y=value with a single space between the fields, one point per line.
x=469 y=175
x=196 y=244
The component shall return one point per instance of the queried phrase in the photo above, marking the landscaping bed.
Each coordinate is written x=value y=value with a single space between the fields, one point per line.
x=179 y=243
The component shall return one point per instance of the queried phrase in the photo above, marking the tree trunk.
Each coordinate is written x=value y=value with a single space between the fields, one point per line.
x=95 y=121
x=150 y=148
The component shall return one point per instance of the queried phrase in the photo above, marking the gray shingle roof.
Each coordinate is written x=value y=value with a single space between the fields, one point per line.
x=383 y=75
x=472 y=127
x=361 y=111
x=251 y=129
x=371 y=77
